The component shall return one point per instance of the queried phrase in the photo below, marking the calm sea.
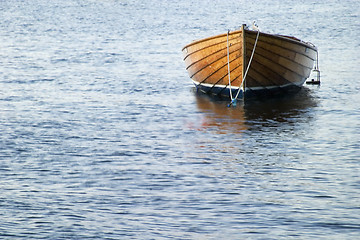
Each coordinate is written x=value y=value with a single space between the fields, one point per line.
x=102 y=135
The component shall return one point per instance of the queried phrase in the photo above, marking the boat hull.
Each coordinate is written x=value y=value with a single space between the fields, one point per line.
x=258 y=63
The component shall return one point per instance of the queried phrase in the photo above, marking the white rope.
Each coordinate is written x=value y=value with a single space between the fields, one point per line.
x=228 y=64
x=247 y=69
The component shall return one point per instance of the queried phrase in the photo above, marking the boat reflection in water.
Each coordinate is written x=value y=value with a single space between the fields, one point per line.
x=255 y=113
x=218 y=116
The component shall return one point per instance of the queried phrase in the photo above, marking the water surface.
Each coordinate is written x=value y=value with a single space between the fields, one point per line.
x=104 y=137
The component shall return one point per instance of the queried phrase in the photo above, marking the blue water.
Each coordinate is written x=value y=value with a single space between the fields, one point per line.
x=104 y=137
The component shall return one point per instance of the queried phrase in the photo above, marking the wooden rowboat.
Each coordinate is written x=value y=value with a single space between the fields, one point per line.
x=249 y=63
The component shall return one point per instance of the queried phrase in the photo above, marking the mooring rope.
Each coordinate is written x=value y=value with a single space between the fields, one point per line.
x=233 y=100
x=228 y=64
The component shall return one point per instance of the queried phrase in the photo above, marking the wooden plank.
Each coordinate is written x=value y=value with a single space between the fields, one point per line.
x=213 y=62
x=286 y=62
x=282 y=41
x=211 y=48
x=264 y=76
x=221 y=77
x=208 y=42
x=217 y=71
x=274 y=71
x=215 y=53
x=302 y=57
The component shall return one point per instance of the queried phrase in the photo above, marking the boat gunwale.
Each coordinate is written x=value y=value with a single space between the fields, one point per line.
x=282 y=37
x=212 y=45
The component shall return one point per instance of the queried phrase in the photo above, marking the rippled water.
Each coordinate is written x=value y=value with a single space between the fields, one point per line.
x=104 y=137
